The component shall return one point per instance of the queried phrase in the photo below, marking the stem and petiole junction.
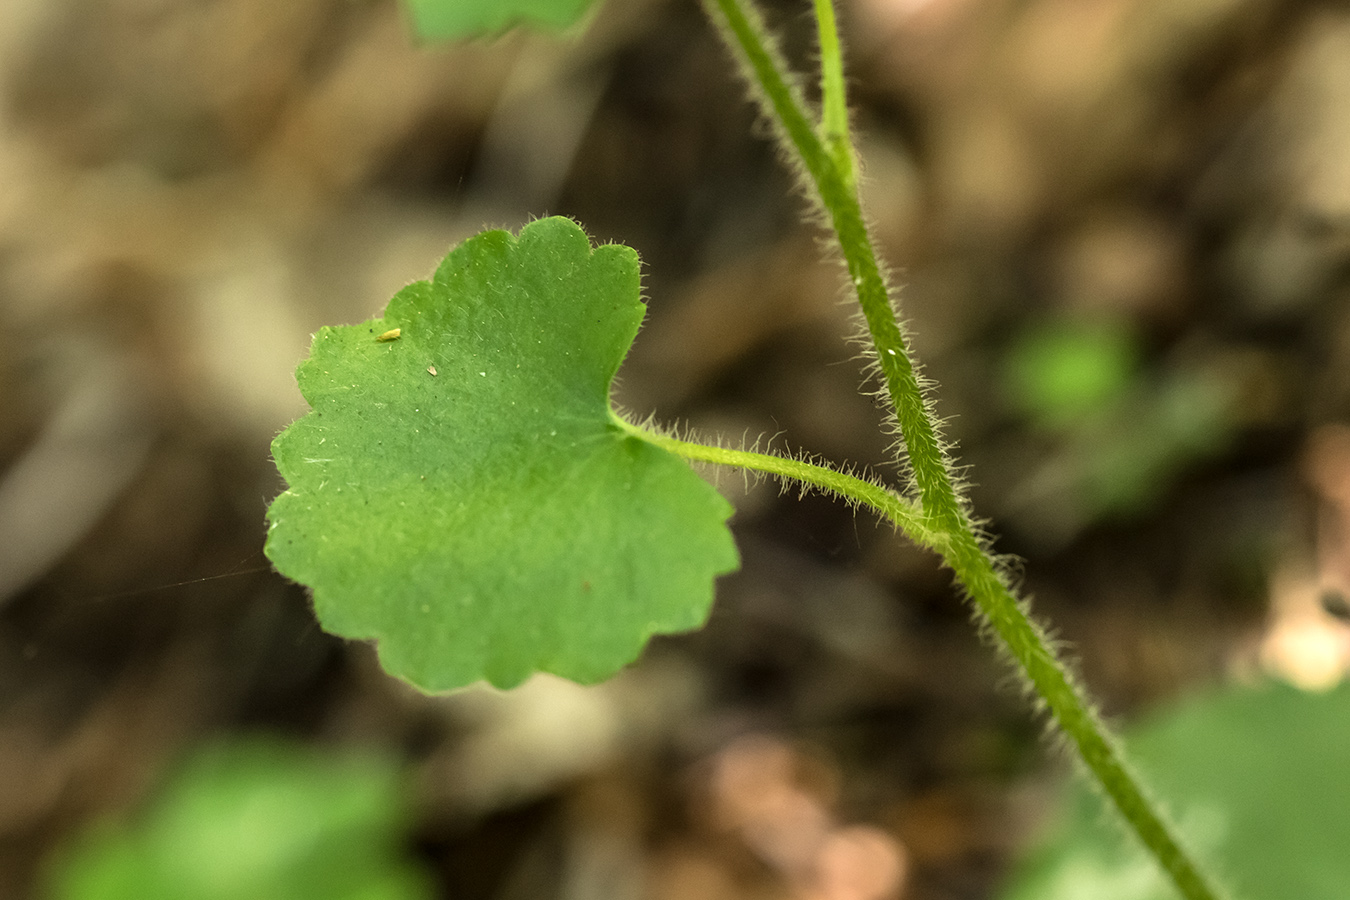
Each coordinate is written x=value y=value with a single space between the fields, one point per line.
x=937 y=516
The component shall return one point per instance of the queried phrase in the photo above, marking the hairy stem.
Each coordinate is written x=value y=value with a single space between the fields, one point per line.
x=782 y=99
x=834 y=99
x=902 y=513
x=826 y=156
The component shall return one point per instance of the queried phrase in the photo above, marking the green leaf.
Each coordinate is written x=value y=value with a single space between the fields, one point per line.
x=454 y=19
x=1062 y=373
x=464 y=495
x=1256 y=780
x=255 y=819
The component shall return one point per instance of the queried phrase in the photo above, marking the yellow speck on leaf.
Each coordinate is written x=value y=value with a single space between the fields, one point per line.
x=390 y=335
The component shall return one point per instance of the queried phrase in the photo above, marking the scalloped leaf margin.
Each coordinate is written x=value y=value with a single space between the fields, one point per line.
x=461 y=491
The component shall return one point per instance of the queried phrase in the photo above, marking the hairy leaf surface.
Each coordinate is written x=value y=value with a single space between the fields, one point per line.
x=454 y=19
x=462 y=493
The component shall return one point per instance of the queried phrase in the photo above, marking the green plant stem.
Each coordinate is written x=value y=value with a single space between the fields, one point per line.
x=782 y=99
x=904 y=514
x=834 y=99
x=949 y=528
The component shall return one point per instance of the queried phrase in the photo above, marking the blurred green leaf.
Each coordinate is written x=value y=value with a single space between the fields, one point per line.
x=1059 y=373
x=1115 y=435
x=1258 y=782
x=1136 y=453
x=255 y=820
x=457 y=19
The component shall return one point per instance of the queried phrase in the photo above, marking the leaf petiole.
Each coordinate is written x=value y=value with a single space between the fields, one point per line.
x=903 y=514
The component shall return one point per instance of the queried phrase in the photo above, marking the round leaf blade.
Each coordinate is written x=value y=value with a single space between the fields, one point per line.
x=462 y=494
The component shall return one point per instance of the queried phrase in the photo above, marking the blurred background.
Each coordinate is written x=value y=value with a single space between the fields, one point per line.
x=1123 y=227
